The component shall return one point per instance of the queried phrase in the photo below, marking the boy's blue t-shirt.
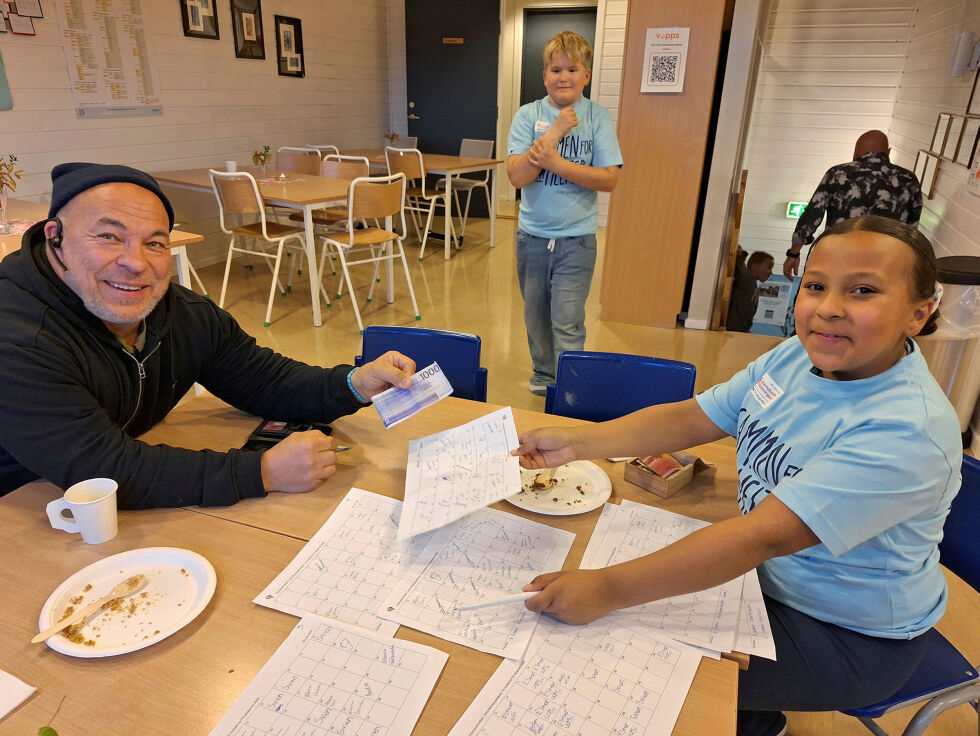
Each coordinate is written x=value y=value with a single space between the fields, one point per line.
x=553 y=207
x=871 y=466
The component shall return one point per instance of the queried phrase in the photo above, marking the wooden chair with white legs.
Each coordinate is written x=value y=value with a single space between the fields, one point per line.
x=298 y=160
x=335 y=166
x=405 y=141
x=470 y=148
x=373 y=198
x=419 y=199
x=238 y=194
x=324 y=149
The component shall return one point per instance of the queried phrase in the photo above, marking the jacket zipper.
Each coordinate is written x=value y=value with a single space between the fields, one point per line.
x=142 y=376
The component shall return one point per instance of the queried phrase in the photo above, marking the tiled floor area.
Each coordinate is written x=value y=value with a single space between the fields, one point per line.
x=476 y=291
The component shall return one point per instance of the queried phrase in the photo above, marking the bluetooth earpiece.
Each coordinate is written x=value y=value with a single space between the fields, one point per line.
x=55 y=242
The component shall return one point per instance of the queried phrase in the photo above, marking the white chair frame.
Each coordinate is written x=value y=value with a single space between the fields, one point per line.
x=420 y=200
x=281 y=235
x=475 y=148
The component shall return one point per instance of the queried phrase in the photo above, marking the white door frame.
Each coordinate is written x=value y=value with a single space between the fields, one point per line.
x=509 y=69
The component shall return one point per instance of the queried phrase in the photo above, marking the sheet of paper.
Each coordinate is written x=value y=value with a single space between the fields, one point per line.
x=489 y=554
x=707 y=618
x=754 y=635
x=395 y=405
x=350 y=566
x=453 y=473
x=602 y=525
x=603 y=678
x=329 y=677
x=13 y=692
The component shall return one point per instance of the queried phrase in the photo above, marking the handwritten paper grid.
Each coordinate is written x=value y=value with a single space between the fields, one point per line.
x=600 y=679
x=453 y=473
x=489 y=554
x=331 y=678
x=711 y=619
x=350 y=566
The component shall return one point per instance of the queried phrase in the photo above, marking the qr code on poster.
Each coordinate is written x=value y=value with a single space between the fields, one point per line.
x=663 y=68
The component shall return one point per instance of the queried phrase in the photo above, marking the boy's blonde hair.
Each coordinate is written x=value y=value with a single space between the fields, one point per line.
x=575 y=47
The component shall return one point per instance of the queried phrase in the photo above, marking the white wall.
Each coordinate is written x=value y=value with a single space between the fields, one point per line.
x=951 y=218
x=830 y=70
x=215 y=106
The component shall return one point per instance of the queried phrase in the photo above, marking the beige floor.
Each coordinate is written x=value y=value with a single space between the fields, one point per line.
x=476 y=291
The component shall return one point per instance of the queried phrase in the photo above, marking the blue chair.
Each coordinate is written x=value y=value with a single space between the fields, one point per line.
x=600 y=386
x=457 y=353
x=944 y=677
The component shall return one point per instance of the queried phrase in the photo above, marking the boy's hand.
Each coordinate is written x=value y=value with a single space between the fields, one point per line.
x=575 y=596
x=543 y=155
x=567 y=119
x=545 y=448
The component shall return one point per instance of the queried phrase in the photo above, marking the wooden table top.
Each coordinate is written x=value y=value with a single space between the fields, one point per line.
x=22 y=209
x=185 y=683
x=303 y=189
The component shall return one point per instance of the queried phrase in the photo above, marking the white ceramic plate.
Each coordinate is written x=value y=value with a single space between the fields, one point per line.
x=580 y=486
x=180 y=585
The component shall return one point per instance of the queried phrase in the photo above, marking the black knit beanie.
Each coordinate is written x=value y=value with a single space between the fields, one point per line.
x=68 y=180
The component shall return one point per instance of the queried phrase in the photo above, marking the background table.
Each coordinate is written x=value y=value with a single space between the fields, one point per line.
x=185 y=683
x=305 y=193
x=22 y=209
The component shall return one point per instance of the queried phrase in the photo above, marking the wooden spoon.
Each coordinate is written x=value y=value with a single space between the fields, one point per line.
x=126 y=588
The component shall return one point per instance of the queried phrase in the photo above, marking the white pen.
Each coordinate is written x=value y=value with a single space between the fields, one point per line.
x=499 y=601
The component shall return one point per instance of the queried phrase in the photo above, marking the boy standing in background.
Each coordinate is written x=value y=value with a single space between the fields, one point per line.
x=562 y=150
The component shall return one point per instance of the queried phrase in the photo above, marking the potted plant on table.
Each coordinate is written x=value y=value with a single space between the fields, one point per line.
x=260 y=157
x=9 y=174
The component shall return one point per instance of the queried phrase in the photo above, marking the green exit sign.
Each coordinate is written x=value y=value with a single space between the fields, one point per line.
x=795 y=209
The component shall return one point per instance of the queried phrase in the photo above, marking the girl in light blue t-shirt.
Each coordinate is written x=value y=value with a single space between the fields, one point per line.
x=848 y=456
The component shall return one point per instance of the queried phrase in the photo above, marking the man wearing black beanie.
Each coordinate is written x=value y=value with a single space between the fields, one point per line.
x=98 y=346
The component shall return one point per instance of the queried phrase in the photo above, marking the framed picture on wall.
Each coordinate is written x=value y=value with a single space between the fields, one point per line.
x=973 y=106
x=968 y=140
x=953 y=136
x=939 y=134
x=930 y=170
x=289 y=46
x=200 y=18
x=246 y=26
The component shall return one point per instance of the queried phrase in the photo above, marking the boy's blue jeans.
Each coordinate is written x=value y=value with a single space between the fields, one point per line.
x=554 y=276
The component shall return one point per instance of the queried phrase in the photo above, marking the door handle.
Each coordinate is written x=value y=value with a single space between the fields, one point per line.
x=413 y=116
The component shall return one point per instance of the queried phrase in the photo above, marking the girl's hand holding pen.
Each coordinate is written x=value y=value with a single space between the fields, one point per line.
x=572 y=596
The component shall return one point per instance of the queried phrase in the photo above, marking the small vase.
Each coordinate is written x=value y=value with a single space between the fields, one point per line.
x=4 y=225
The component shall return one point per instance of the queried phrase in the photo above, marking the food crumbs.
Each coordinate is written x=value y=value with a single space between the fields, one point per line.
x=555 y=499
x=87 y=588
x=89 y=643
x=77 y=599
x=68 y=612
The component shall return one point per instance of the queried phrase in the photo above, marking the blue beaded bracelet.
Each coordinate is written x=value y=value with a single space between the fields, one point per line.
x=353 y=390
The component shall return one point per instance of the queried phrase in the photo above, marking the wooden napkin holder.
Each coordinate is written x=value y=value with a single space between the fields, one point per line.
x=640 y=475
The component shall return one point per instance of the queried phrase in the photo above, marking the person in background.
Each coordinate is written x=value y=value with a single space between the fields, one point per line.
x=869 y=185
x=745 y=288
x=562 y=150
x=848 y=457
x=97 y=346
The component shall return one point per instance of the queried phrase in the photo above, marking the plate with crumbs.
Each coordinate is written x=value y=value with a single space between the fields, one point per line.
x=577 y=487
x=180 y=584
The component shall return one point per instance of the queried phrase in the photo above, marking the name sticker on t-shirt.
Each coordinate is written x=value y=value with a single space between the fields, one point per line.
x=541 y=126
x=766 y=391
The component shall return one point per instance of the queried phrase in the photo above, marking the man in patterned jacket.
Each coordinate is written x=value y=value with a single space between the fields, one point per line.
x=868 y=185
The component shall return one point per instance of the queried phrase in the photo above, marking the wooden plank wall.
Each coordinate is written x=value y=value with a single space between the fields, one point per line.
x=830 y=70
x=952 y=217
x=663 y=138
x=216 y=106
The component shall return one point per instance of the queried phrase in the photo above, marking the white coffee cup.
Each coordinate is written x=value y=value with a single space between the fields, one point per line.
x=92 y=504
x=231 y=166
